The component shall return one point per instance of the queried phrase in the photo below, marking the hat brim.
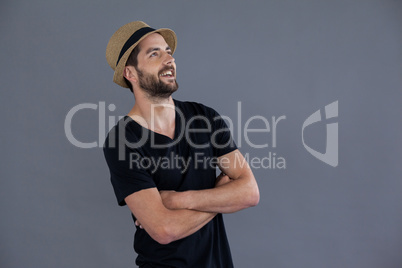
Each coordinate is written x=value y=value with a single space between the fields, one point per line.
x=168 y=35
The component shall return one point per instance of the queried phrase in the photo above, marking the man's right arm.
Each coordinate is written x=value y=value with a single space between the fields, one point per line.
x=162 y=224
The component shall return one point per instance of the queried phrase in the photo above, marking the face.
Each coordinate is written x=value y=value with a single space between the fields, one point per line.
x=156 y=69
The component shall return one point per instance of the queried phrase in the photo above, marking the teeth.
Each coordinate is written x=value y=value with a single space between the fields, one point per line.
x=167 y=73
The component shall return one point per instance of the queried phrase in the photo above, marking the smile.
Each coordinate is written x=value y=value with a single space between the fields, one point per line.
x=167 y=74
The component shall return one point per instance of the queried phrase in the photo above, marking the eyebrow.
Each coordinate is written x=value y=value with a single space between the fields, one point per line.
x=155 y=49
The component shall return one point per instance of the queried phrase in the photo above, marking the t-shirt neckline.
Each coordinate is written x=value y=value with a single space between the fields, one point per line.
x=156 y=134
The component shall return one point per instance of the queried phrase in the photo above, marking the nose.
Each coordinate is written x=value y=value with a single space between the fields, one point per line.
x=169 y=60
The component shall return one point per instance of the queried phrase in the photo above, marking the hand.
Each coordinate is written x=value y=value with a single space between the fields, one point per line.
x=221 y=180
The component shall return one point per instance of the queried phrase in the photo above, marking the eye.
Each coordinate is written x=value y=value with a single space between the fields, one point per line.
x=154 y=54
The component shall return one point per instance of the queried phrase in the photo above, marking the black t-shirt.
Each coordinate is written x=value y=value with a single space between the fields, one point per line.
x=139 y=159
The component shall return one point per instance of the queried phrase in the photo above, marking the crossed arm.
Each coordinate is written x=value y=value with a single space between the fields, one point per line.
x=168 y=215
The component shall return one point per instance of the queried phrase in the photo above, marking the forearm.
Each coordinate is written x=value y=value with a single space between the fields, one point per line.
x=228 y=198
x=162 y=224
x=183 y=222
x=236 y=188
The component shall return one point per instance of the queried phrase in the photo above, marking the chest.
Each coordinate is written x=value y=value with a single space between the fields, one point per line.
x=182 y=167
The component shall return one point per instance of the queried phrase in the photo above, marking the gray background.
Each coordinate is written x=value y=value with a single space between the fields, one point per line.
x=277 y=57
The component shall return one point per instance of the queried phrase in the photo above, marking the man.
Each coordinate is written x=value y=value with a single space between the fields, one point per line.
x=163 y=156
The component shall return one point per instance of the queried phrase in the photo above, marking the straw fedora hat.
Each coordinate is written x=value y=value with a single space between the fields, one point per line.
x=125 y=39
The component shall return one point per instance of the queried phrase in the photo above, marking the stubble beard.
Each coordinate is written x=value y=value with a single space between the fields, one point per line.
x=154 y=87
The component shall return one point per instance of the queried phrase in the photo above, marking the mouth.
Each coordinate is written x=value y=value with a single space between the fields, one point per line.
x=167 y=73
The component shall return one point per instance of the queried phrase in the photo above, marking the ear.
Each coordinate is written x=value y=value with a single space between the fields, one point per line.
x=130 y=74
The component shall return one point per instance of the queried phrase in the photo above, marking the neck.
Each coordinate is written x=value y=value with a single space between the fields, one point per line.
x=157 y=115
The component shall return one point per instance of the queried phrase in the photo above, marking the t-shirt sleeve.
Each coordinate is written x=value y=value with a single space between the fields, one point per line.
x=222 y=141
x=126 y=177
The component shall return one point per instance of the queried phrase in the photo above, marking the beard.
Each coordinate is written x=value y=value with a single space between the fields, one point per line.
x=154 y=87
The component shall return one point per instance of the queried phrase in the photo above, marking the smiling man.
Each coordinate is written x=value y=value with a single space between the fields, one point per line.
x=163 y=157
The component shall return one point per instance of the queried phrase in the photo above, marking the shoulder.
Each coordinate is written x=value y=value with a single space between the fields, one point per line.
x=125 y=129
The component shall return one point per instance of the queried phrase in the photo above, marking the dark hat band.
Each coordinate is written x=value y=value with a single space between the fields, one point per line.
x=133 y=39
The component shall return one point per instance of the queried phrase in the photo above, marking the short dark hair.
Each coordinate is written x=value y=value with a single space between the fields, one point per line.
x=132 y=61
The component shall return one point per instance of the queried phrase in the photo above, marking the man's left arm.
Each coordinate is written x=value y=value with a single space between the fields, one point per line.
x=229 y=195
